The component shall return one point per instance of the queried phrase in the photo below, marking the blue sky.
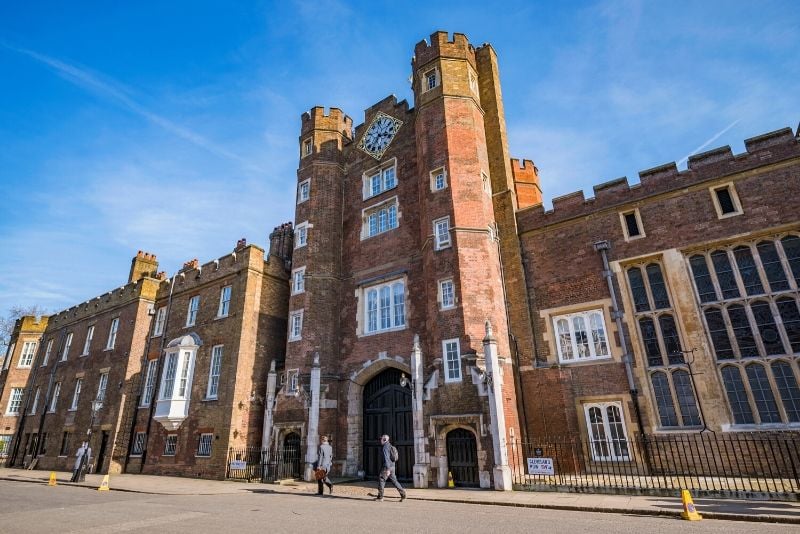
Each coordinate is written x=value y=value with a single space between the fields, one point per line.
x=172 y=126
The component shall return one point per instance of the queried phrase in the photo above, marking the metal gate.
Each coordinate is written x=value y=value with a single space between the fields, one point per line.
x=289 y=458
x=462 y=458
x=387 y=410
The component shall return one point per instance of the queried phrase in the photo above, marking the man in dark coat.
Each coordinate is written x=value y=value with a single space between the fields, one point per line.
x=387 y=473
x=324 y=461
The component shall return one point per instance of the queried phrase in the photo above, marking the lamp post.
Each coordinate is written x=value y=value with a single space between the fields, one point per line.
x=97 y=404
x=689 y=363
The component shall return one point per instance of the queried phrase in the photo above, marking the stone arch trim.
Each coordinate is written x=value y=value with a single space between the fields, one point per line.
x=439 y=427
x=355 y=407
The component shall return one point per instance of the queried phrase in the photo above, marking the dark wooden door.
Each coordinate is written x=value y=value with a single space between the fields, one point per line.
x=101 y=455
x=290 y=457
x=387 y=410
x=462 y=458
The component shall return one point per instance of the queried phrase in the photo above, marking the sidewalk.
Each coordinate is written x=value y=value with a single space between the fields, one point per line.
x=737 y=510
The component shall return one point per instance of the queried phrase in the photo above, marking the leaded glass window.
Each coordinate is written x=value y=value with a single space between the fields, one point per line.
x=787 y=387
x=773 y=268
x=767 y=328
x=638 y=290
x=742 y=331
x=657 y=286
x=762 y=393
x=719 y=334
x=790 y=315
x=791 y=247
x=666 y=407
x=737 y=396
x=725 y=275
x=702 y=278
x=748 y=270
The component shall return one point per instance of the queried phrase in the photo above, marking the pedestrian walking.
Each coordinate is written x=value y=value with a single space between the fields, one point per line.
x=390 y=456
x=81 y=462
x=324 y=463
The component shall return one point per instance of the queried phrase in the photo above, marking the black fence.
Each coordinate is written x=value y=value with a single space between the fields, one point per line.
x=251 y=464
x=725 y=465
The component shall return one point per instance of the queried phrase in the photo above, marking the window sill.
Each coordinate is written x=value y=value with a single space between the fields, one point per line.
x=108 y=349
x=442 y=247
x=291 y=339
x=366 y=237
x=12 y=414
x=376 y=195
x=135 y=455
x=587 y=361
x=209 y=399
x=202 y=457
x=300 y=246
x=678 y=430
x=453 y=307
x=385 y=331
x=83 y=355
x=453 y=381
x=721 y=216
x=157 y=335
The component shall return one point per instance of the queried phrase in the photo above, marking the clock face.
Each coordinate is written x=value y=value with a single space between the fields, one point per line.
x=379 y=134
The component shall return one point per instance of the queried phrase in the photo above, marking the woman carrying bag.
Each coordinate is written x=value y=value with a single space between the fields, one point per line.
x=324 y=462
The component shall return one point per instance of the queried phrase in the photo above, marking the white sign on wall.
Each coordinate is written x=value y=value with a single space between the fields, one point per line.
x=238 y=464
x=541 y=466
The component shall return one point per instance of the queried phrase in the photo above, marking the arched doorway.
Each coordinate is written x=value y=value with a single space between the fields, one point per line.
x=289 y=462
x=387 y=410
x=462 y=458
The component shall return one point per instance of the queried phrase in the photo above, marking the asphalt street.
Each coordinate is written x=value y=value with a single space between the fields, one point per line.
x=26 y=507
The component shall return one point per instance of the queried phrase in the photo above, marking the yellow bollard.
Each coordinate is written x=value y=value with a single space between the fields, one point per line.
x=450 y=483
x=52 y=479
x=103 y=484
x=689 y=511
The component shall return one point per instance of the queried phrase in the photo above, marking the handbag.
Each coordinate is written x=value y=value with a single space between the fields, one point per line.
x=320 y=473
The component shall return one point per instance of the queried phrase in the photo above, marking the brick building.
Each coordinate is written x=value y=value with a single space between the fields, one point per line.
x=14 y=374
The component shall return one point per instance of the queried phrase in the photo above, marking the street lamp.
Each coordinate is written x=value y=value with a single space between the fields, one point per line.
x=97 y=404
x=689 y=362
x=406 y=382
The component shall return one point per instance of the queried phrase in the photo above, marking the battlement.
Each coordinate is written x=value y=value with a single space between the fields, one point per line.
x=191 y=264
x=142 y=288
x=526 y=183
x=441 y=45
x=317 y=119
x=388 y=105
x=30 y=324
x=717 y=163
x=143 y=264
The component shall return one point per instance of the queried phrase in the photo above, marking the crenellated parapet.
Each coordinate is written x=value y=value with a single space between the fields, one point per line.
x=333 y=120
x=388 y=105
x=441 y=45
x=764 y=149
x=143 y=288
x=526 y=183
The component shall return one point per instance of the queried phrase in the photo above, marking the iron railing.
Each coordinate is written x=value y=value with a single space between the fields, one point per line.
x=251 y=464
x=724 y=465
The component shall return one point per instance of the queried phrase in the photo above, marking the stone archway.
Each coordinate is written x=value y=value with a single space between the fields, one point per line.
x=462 y=457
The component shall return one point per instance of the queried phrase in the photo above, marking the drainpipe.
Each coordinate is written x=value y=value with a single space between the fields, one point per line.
x=159 y=367
x=602 y=247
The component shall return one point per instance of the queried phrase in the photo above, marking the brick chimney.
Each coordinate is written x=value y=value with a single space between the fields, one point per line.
x=281 y=242
x=142 y=265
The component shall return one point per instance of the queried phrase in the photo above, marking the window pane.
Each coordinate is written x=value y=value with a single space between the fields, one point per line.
x=650 y=340
x=719 y=334
x=725 y=276
x=791 y=321
x=399 y=305
x=767 y=328
x=672 y=344
x=791 y=247
x=388 y=178
x=702 y=279
x=762 y=394
x=632 y=225
x=373 y=224
x=742 y=331
x=748 y=270
x=581 y=339
x=383 y=220
x=734 y=387
x=617 y=430
x=686 y=400
x=392 y=216
x=597 y=433
x=638 y=290
x=666 y=406
x=598 y=335
x=386 y=318
x=372 y=310
x=657 y=286
x=564 y=339
x=772 y=266
x=787 y=387
x=725 y=200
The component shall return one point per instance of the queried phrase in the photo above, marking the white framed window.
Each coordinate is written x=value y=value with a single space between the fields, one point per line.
x=5 y=443
x=430 y=79
x=292 y=380
x=170 y=445
x=726 y=201
x=438 y=179
x=161 y=318
x=88 y=343
x=112 y=333
x=298 y=280
x=177 y=378
x=76 y=394
x=191 y=314
x=36 y=400
x=47 y=352
x=607 y=434
x=204 y=445
x=379 y=218
x=296 y=325
x=214 y=372
x=170 y=370
x=301 y=234
x=149 y=383
x=139 y=441
x=101 y=387
x=67 y=345
x=447 y=294
x=224 y=302
x=303 y=191
x=631 y=224
x=581 y=336
x=486 y=184
x=308 y=147
x=385 y=307
x=15 y=401
x=441 y=233
x=28 y=351
x=54 y=398
x=380 y=179
x=451 y=352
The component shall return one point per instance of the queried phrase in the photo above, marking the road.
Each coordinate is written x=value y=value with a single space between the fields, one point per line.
x=26 y=507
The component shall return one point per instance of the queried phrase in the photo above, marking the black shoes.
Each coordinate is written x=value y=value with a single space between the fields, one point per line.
x=402 y=497
x=379 y=499
x=330 y=489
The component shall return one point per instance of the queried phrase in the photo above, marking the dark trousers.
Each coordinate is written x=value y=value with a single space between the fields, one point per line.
x=388 y=475
x=327 y=482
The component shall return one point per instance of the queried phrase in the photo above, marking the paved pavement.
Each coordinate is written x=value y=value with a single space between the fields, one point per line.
x=727 y=509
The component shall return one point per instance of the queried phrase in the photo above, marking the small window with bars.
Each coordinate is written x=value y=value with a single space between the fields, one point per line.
x=204 y=445
x=139 y=441
x=170 y=445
